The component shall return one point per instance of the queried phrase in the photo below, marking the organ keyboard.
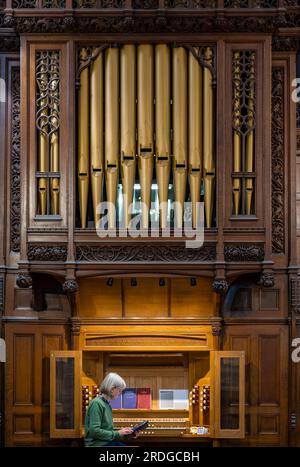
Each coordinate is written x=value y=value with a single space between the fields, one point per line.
x=157 y=426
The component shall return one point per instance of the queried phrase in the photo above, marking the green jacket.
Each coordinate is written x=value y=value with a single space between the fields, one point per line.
x=99 y=429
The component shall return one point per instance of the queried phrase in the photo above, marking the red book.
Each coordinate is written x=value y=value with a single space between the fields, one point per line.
x=144 y=398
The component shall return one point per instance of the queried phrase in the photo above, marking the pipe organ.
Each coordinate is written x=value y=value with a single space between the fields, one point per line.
x=47 y=123
x=154 y=105
x=243 y=119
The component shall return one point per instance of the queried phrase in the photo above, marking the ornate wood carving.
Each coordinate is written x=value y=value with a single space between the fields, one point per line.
x=220 y=286
x=294 y=296
x=9 y=43
x=47 y=78
x=147 y=24
x=145 y=252
x=266 y=279
x=285 y=43
x=70 y=286
x=244 y=252
x=15 y=193
x=278 y=188
x=24 y=281
x=1 y=294
x=39 y=252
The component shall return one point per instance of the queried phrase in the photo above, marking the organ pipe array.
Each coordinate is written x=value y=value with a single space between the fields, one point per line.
x=47 y=123
x=146 y=108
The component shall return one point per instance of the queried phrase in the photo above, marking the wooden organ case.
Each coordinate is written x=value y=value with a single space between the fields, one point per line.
x=148 y=109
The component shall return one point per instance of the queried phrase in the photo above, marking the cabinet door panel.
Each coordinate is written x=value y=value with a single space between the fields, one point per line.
x=65 y=414
x=229 y=394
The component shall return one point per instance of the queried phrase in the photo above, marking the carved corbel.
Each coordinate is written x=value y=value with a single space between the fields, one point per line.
x=24 y=280
x=266 y=279
x=70 y=286
x=220 y=285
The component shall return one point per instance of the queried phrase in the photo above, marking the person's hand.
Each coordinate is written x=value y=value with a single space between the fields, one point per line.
x=125 y=431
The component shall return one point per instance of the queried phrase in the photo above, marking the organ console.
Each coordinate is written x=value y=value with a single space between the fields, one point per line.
x=214 y=400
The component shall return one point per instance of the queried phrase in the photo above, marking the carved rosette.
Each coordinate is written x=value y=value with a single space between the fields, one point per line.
x=244 y=252
x=70 y=286
x=278 y=188
x=24 y=280
x=15 y=193
x=220 y=286
x=266 y=279
x=146 y=253
x=37 y=252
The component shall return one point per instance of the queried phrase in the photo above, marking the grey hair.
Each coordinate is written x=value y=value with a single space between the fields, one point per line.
x=111 y=381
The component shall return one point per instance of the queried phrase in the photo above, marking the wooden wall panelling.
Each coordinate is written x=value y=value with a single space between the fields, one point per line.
x=27 y=381
x=266 y=348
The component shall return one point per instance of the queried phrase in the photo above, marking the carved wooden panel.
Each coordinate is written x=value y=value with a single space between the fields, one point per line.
x=278 y=136
x=15 y=193
x=266 y=348
x=145 y=253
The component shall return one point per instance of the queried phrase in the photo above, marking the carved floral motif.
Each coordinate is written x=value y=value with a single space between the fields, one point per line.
x=38 y=252
x=147 y=253
x=244 y=252
x=15 y=193
x=278 y=188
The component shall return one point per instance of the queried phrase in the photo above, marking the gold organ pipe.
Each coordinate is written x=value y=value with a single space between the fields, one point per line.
x=96 y=133
x=43 y=144
x=179 y=130
x=195 y=133
x=145 y=100
x=54 y=148
x=112 y=130
x=128 y=126
x=236 y=134
x=83 y=140
x=250 y=140
x=208 y=140
x=162 y=127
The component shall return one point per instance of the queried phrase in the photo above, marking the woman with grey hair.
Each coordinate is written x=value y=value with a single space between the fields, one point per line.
x=99 y=429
